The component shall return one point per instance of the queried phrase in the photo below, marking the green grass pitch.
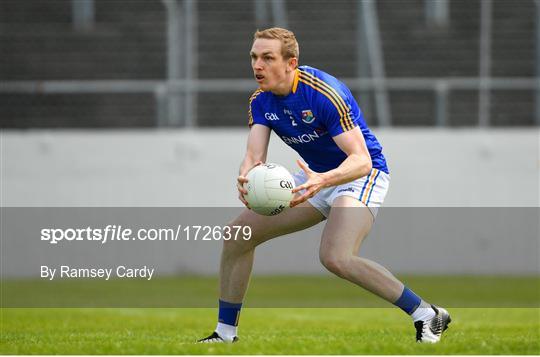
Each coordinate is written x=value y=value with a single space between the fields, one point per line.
x=512 y=328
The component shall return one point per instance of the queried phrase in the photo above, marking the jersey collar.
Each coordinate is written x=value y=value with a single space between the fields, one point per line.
x=295 y=82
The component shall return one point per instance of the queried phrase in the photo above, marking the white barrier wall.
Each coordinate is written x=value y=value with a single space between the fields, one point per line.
x=429 y=167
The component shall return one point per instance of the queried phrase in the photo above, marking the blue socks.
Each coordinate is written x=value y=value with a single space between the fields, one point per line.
x=229 y=313
x=408 y=301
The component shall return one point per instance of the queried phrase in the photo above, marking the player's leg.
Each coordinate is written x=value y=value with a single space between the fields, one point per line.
x=237 y=260
x=237 y=255
x=348 y=224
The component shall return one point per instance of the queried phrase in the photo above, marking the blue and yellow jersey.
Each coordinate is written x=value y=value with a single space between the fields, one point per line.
x=318 y=108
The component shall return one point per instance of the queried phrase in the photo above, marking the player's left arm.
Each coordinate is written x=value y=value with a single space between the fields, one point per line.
x=357 y=164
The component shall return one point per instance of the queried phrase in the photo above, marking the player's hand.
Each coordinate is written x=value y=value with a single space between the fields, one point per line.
x=314 y=183
x=240 y=181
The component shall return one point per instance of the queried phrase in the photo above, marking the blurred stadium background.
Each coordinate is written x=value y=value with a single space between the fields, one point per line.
x=119 y=63
x=144 y=103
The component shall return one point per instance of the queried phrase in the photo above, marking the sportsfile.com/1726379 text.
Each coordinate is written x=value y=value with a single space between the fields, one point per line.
x=120 y=233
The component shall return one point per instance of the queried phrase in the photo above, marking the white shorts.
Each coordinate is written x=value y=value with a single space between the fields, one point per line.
x=370 y=190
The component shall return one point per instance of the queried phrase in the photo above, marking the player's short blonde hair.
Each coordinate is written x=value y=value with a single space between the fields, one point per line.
x=289 y=45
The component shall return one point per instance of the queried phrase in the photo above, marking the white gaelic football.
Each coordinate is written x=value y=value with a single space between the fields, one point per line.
x=269 y=189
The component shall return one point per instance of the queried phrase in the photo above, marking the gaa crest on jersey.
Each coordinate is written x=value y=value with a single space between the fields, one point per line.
x=307 y=116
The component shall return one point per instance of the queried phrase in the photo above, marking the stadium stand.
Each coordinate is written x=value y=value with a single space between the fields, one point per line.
x=37 y=42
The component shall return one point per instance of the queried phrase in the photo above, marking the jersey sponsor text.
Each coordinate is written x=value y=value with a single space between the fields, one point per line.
x=301 y=139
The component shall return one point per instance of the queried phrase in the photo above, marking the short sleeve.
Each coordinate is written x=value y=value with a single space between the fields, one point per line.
x=255 y=112
x=335 y=111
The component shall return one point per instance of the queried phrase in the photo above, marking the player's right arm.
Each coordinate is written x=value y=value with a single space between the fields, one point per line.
x=257 y=144
x=257 y=148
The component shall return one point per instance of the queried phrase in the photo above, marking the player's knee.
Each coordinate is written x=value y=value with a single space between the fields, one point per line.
x=335 y=263
x=237 y=242
x=236 y=246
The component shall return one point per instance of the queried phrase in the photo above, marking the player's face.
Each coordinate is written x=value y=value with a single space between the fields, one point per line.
x=272 y=72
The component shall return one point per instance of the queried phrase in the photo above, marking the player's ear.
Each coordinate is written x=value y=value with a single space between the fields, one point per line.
x=292 y=63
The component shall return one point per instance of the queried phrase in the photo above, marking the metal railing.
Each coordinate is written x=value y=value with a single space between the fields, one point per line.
x=162 y=89
x=368 y=21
